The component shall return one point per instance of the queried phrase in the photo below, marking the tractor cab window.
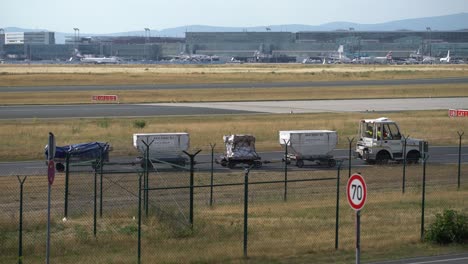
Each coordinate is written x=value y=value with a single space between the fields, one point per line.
x=391 y=132
x=367 y=130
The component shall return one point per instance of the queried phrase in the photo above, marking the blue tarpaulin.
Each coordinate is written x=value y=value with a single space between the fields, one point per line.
x=82 y=151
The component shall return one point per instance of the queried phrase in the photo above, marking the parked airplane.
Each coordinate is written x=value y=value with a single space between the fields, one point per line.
x=367 y=60
x=428 y=60
x=385 y=59
x=100 y=60
x=446 y=59
x=314 y=60
x=338 y=57
x=96 y=60
x=194 y=58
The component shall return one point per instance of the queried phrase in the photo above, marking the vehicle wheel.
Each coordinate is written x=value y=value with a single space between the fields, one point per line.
x=382 y=158
x=331 y=163
x=224 y=163
x=300 y=163
x=60 y=167
x=95 y=165
x=258 y=164
x=413 y=157
x=231 y=165
x=150 y=165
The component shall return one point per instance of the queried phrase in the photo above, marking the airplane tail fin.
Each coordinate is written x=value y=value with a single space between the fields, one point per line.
x=389 y=55
x=446 y=59
x=341 y=49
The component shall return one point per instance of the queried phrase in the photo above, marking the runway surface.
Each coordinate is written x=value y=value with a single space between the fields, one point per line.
x=74 y=88
x=277 y=107
x=108 y=110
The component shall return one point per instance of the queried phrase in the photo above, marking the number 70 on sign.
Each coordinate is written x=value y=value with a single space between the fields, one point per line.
x=356 y=192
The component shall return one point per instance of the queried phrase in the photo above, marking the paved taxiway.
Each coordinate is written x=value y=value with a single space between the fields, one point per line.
x=74 y=88
x=172 y=109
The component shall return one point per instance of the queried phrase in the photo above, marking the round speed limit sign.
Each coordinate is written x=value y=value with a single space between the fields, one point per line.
x=356 y=191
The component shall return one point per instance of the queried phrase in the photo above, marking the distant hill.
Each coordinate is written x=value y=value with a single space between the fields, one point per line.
x=449 y=22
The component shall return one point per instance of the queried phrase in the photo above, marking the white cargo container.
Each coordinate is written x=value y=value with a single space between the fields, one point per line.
x=311 y=145
x=167 y=147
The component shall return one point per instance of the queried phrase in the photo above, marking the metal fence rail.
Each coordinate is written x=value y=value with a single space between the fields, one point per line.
x=159 y=212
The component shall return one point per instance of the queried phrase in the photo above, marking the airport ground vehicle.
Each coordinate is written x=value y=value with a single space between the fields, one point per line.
x=162 y=147
x=309 y=145
x=91 y=151
x=240 y=149
x=380 y=141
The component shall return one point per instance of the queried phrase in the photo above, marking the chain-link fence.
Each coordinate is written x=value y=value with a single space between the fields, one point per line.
x=160 y=212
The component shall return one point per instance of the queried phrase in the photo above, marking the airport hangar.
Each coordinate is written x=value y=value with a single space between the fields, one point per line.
x=243 y=45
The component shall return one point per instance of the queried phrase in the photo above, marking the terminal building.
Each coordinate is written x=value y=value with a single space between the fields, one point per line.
x=12 y=38
x=269 y=46
x=321 y=43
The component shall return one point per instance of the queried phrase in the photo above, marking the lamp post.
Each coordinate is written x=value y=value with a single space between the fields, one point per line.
x=428 y=29
x=3 y=33
x=76 y=36
x=353 y=46
x=147 y=36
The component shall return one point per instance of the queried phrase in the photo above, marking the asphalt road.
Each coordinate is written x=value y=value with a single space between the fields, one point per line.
x=443 y=154
x=170 y=109
x=445 y=259
x=75 y=88
x=105 y=110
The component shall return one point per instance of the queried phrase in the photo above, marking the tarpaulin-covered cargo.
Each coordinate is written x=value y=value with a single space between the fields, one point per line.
x=82 y=151
x=240 y=146
x=90 y=151
x=240 y=149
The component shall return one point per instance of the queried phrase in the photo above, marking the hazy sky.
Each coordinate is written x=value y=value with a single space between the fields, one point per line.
x=106 y=16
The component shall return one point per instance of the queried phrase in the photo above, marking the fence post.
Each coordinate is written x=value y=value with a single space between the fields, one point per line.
x=192 y=169
x=285 y=198
x=350 y=141
x=246 y=209
x=404 y=164
x=212 y=170
x=101 y=164
x=67 y=174
x=460 y=135
x=146 y=176
x=20 y=228
x=95 y=204
x=337 y=223
x=425 y=158
x=139 y=217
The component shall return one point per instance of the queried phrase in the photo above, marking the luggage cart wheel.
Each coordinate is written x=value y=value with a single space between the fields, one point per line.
x=231 y=165
x=258 y=164
x=300 y=163
x=331 y=163
x=60 y=167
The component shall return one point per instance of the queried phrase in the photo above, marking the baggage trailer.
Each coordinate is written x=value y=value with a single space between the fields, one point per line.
x=81 y=152
x=240 y=149
x=164 y=148
x=309 y=145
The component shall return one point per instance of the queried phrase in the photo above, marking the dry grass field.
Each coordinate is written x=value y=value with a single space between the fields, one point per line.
x=40 y=75
x=300 y=230
x=239 y=94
